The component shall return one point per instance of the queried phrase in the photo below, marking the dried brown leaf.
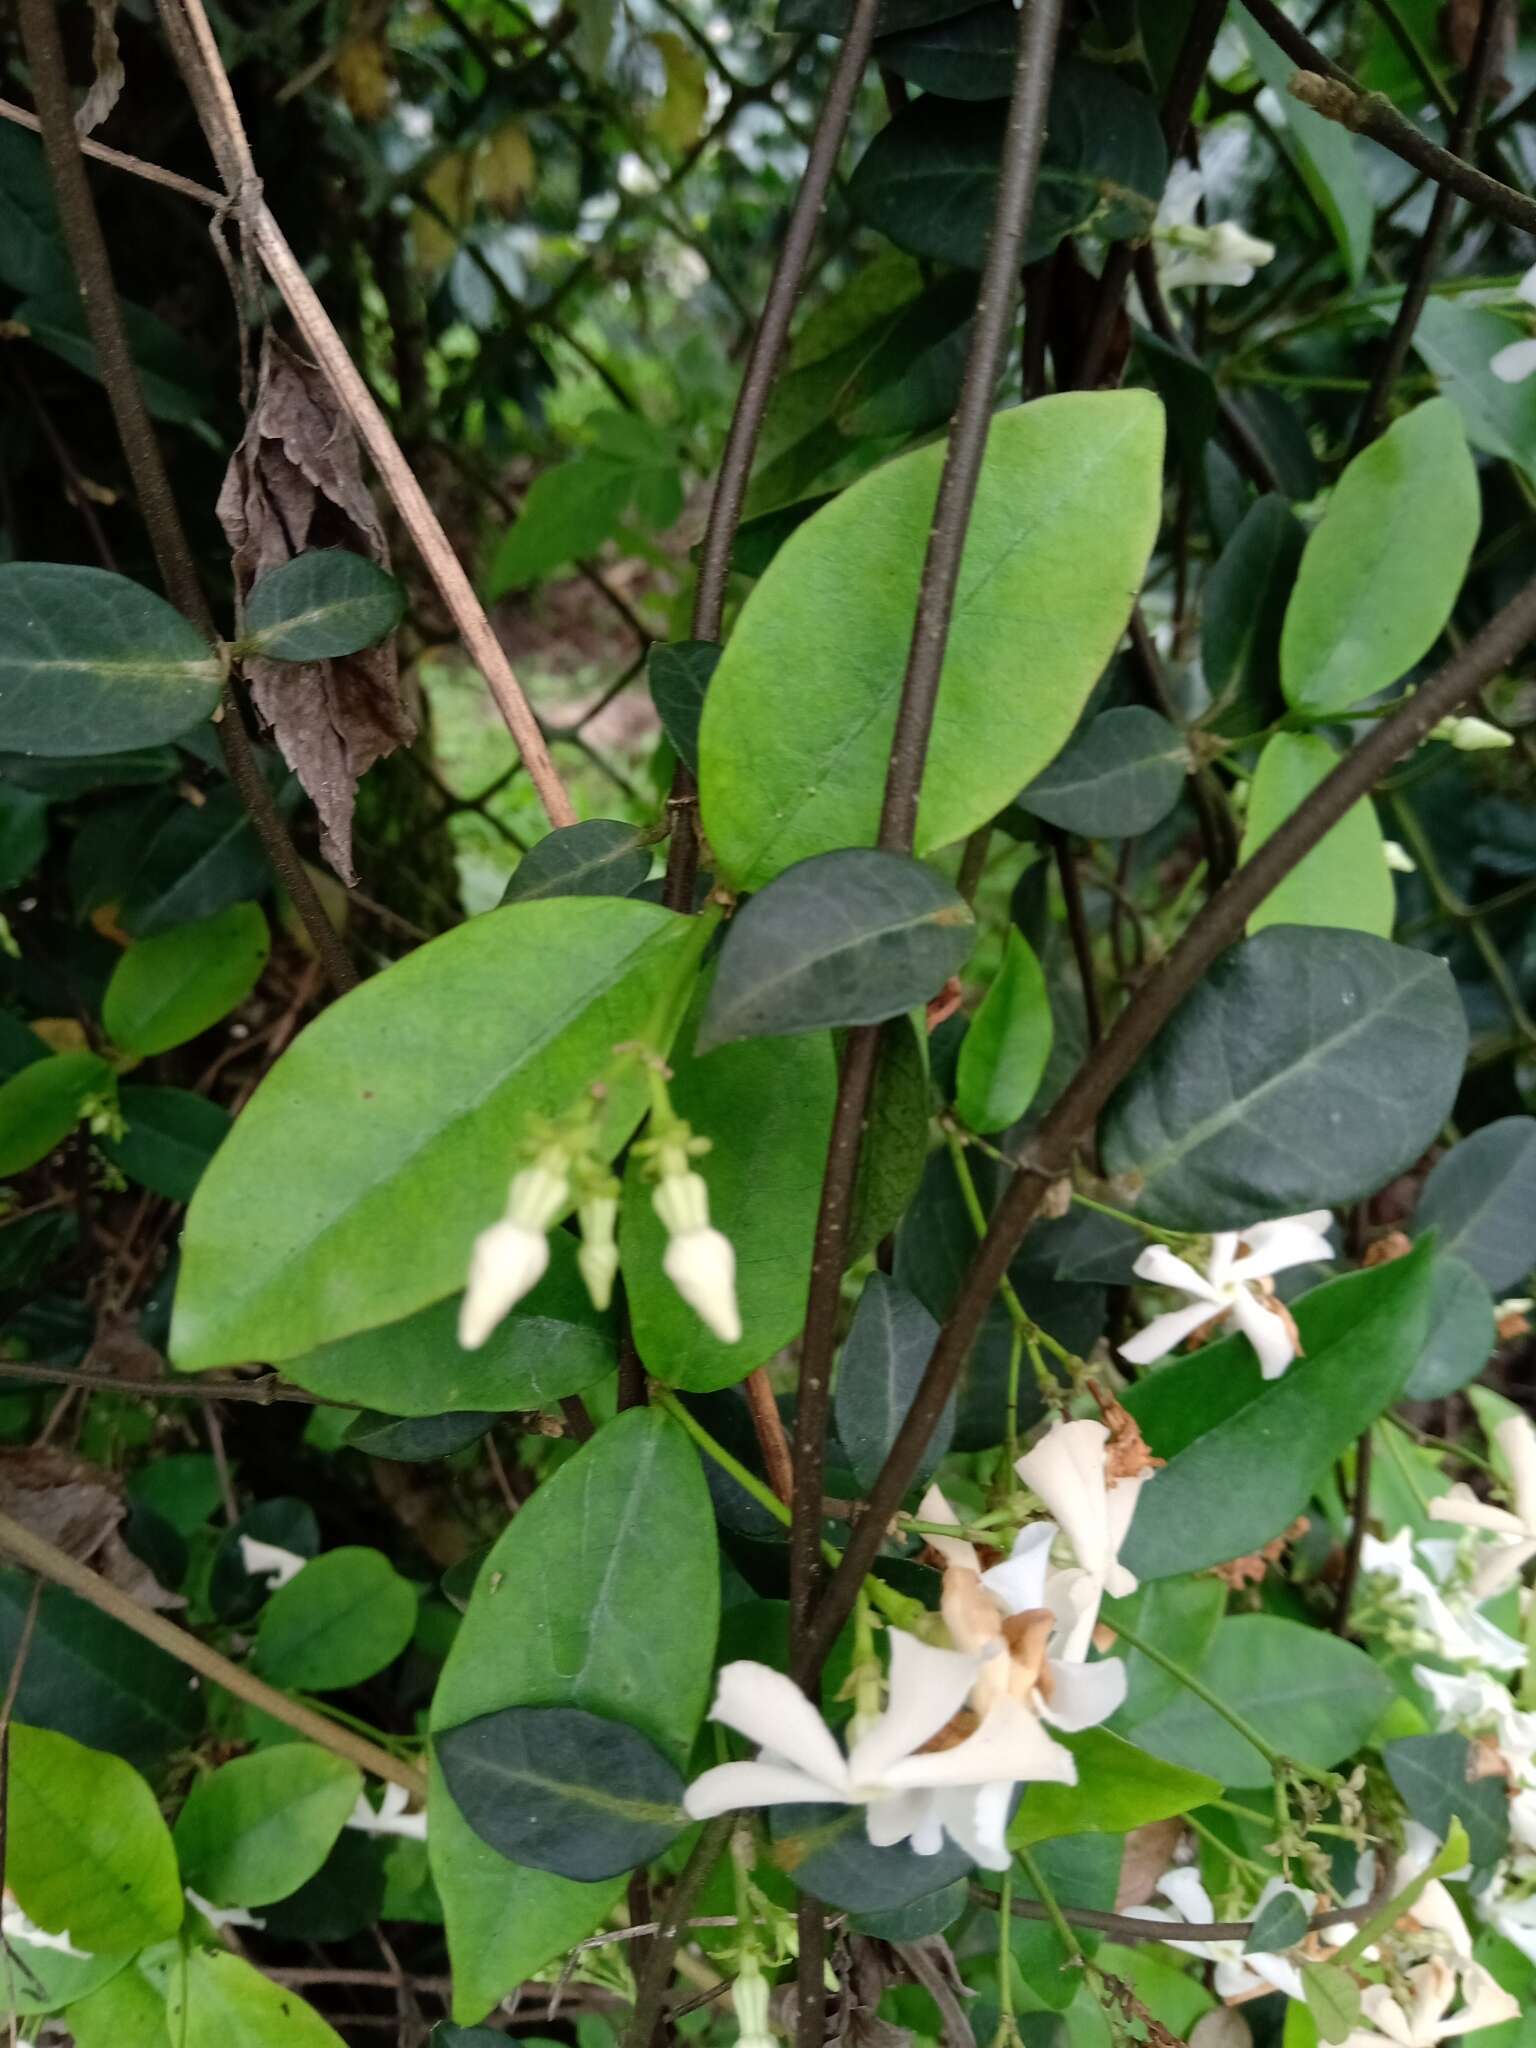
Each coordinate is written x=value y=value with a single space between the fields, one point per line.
x=110 y=78
x=77 y=1507
x=296 y=483
x=1148 y=1853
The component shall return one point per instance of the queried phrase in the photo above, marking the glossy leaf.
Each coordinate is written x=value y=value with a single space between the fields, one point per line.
x=895 y=1148
x=1119 y=1787
x=766 y=1108
x=1310 y=1694
x=563 y=1790
x=1325 y=155
x=888 y=1344
x=168 y=989
x=1460 y=1335
x=1480 y=1200
x=599 y=857
x=678 y=673
x=1378 y=577
x=86 y=1851
x=93 y=664
x=257 y=1828
x=416 y=1439
x=522 y=1009
x=1004 y=1053
x=552 y=1344
x=1244 y=1453
x=1458 y=342
x=341 y=1619
x=571 y=1610
x=1344 y=881
x=1278 y=1925
x=826 y=1851
x=1306 y=1070
x=1120 y=776
x=221 y=2001
x=797 y=727
x=853 y=937
x=200 y=860
x=969 y=56
x=1435 y=1779
x=41 y=1105
x=321 y=604
x=169 y=1137
x=1180 y=1616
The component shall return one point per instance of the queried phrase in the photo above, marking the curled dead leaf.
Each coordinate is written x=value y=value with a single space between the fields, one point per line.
x=77 y=1507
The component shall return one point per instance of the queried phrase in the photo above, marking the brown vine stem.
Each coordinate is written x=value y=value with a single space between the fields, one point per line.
x=1076 y=1111
x=119 y=375
x=1125 y=1927
x=49 y=1562
x=196 y=51
x=1329 y=90
x=1431 y=247
x=763 y=363
x=1360 y=1510
x=263 y=1391
x=651 y=1991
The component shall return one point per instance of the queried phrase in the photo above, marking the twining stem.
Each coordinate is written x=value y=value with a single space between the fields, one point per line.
x=49 y=1562
x=651 y=1991
x=1007 y=2025
x=1065 y=1933
x=1024 y=1324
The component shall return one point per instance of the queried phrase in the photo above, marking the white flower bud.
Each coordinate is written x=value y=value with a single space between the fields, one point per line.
x=681 y=1201
x=749 y=1995
x=598 y=1257
x=508 y=1259
x=539 y=1194
x=1398 y=858
x=702 y=1267
x=1231 y=244
x=1471 y=735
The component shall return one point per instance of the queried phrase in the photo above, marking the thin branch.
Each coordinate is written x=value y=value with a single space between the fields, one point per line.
x=651 y=1991
x=1431 y=247
x=1077 y=927
x=266 y=1390
x=1076 y=1111
x=1360 y=1514
x=1125 y=1927
x=769 y=1426
x=46 y=1559
x=120 y=160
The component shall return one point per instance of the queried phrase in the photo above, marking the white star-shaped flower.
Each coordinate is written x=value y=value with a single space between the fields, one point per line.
x=1515 y=1526
x=1233 y=1288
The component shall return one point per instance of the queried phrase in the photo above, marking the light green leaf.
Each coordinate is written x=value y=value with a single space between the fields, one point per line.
x=128 y=2008
x=1344 y=880
x=41 y=1105
x=1382 y=570
x=257 y=1828
x=766 y=1107
x=1119 y=1787
x=86 y=1850
x=1458 y=342
x=337 y=1622
x=572 y=509
x=797 y=725
x=1004 y=1053
x=1325 y=155
x=1333 y=2000
x=574 y=1608
x=166 y=990
x=220 y=2001
x=93 y=664
x=403 y=1159
x=320 y=605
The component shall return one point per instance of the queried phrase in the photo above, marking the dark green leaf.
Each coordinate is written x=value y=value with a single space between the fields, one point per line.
x=1433 y=1774
x=882 y=1362
x=1243 y=605
x=826 y=1851
x=320 y=605
x=1280 y=1925
x=1460 y=1335
x=174 y=382
x=168 y=1139
x=599 y=857
x=1309 y=1694
x=40 y=1105
x=33 y=257
x=1119 y=1787
x=257 y=1828
x=1245 y=1453
x=236 y=1594
x=843 y=938
x=93 y=664
x=553 y=1343
x=347 y=1894
x=171 y=988
x=563 y=1790
x=1307 y=1069
x=970 y=56
x=1120 y=776
x=200 y=860
x=679 y=673
x=416 y=1439
x=344 y=1617
x=23 y=834
x=895 y=1147
x=1480 y=1201
x=930 y=1914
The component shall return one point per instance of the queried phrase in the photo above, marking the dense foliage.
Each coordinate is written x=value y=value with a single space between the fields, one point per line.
x=767 y=1068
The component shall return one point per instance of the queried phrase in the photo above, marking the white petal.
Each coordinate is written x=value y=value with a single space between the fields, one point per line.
x=975 y=1817
x=1487 y=2003
x=270 y=1561
x=1164 y=1332
x=1266 y=1332
x=1501 y=1567
x=1292 y=1241
x=508 y=1260
x=771 y=1710
x=1218 y=1264
x=1184 y=1890
x=1238 y=1977
x=1120 y=1508
x=898 y=1815
x=1512 y=365
x=1517 y=1441
x=1066 y=1470
x=1161 y=1267
x=1010 y=1744
x=1435 y=1910
x=1182 y=195
x=1386 y=2015
x=1277 y=1973
x=729 y=1786
x=1083 y=1695
x=1462 y=1505
x=701 y=1264
x=1018 y=1583
x=933 y=1507
x=928 y=1687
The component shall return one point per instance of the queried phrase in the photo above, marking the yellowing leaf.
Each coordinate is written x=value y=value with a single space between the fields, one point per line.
x=678 y=115
x=506 y=171
x=363 y=78
x=448 y=195
x=62 y=1034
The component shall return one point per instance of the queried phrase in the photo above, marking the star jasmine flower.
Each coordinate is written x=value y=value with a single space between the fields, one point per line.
x=1513 y=1916
x=1461 y=1638
x=896 y=1767
x=270 y=1561
x=1189 y=254
x=1234 y=1288
x=699 y=1261
x=1239 y=1977
x=1421 y=2021
x=1512 y=365
x=222 y=1916
x=390 y=1818
x=15 y=1926
x=598 y=1256
x=1068 y=1471
x=510 y=1257
x=1516 y=1526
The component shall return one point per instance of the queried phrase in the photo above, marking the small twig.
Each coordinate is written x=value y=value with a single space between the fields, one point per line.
x=771 y=1440
x=267 y=1389
x=46 y=1559
x=1359 y=1527
x=120 y=160
x=1077 y=928
x=1125 y=1927
x=651 y=1991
